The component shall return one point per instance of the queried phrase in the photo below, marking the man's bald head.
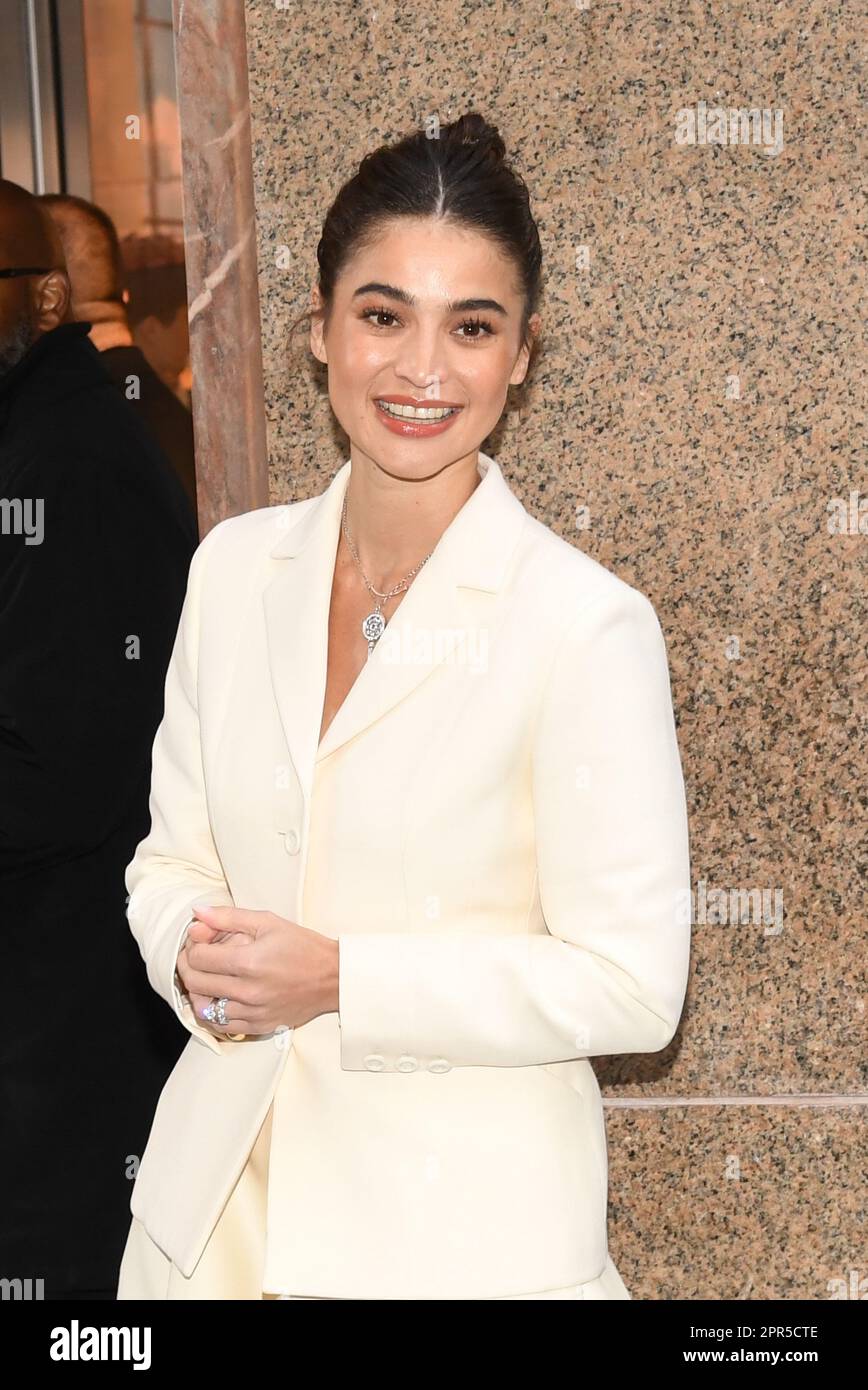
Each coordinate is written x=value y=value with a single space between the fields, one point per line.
x=30 y=305
x=92 y=251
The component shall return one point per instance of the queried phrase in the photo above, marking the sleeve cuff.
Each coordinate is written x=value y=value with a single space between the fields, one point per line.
x=380 y=1000
x=183 y=1007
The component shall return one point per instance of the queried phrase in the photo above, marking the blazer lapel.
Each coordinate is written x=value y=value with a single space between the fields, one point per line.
x=445 y=606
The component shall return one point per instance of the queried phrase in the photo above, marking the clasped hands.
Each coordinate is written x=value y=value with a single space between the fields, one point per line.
x=273 y=972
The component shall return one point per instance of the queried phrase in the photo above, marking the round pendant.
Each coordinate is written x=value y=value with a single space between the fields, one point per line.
x=374 y=626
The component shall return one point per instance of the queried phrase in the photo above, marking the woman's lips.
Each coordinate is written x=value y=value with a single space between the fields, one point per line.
x=409 y=428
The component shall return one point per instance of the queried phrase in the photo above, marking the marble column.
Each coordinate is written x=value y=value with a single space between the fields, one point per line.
x=220 y=243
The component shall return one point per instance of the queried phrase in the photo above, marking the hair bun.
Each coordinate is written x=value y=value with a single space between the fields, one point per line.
x=473 y=129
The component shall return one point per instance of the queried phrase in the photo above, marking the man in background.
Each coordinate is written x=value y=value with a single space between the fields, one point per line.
x=93 y=262
x=96 y=538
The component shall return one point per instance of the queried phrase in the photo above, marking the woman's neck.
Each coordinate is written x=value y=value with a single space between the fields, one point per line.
x=396 y=522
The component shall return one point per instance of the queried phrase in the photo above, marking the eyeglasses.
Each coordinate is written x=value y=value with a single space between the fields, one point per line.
x=25 y=270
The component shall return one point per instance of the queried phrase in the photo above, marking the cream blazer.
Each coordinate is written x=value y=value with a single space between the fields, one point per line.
x=519 y=901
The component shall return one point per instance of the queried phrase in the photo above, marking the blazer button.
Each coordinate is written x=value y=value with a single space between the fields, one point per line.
x=439 y=1064
x=291 y=841
x=407 y=1063
x=374 y=1062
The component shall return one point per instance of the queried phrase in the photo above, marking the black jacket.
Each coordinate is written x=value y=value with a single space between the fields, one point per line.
x=88 y=616
x=168 y=420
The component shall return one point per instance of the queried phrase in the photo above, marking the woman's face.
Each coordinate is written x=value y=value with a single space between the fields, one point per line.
x=428 y=313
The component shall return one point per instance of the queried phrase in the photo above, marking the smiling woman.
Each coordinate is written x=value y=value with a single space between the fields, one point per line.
x=427 y=365
x=429 y=350
x=428 y=888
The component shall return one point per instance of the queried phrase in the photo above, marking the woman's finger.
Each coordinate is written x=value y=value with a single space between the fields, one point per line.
x=197 y=1003
x=200 y=931
x=239 y=919
x=234 y=1022
x=217 y=986
x=220 y=956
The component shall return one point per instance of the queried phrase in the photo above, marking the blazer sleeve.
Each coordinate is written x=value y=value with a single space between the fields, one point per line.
x=610 y=973
x=177 y=866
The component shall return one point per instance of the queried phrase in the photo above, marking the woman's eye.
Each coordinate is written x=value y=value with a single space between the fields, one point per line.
x=477 y=323
x=371 y=314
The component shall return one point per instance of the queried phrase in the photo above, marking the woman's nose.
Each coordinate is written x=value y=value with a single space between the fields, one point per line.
x=420 y=360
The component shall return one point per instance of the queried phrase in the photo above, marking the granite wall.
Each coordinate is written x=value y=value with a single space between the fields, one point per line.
x=700 y=399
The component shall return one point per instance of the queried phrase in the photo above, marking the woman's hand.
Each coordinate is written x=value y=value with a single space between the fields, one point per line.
x=200 y=931
x=273 y=973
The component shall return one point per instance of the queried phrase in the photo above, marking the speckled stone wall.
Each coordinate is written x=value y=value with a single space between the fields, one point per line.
x=701 y=393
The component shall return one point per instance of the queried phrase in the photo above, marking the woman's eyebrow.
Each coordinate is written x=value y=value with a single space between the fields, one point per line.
x=456 y=306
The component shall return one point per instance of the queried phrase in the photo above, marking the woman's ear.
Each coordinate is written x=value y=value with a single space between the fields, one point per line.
x=317 y=326
x=523 y=361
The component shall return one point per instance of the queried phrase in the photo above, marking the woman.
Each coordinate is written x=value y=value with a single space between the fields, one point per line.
x=417 y=796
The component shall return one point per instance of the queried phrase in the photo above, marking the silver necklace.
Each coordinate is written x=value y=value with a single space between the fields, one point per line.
x=374 y=625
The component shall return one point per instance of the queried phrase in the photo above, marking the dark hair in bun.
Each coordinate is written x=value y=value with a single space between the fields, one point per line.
x=458 y=172
x=474 y=129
